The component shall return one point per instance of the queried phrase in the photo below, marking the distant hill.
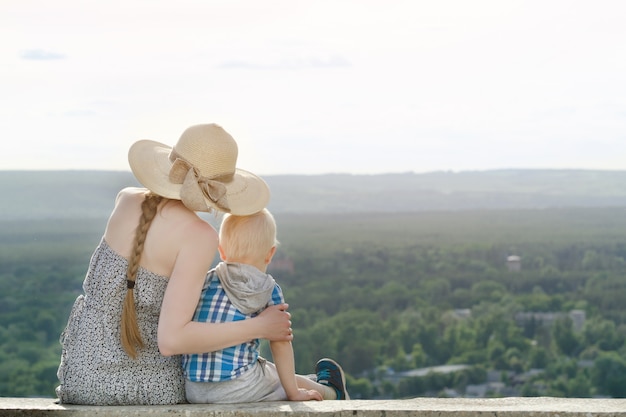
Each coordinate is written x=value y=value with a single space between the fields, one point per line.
x=90 y=194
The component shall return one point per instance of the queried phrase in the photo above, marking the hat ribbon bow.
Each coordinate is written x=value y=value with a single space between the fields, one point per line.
x=195 y=188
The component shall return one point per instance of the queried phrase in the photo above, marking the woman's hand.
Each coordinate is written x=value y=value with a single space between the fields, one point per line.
x=274 y=323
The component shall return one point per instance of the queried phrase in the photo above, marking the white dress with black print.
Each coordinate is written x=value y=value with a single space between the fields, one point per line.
x=94 y=367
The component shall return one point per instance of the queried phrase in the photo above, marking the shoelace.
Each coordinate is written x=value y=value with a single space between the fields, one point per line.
x=323 y=375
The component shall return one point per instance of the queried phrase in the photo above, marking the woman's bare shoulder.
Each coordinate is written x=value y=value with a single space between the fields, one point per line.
x=131 y=193
x=187 y=221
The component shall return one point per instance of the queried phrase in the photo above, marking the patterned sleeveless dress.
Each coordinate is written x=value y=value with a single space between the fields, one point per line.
x=94 y=367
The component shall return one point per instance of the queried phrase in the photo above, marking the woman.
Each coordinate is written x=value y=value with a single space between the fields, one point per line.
x=124 y=334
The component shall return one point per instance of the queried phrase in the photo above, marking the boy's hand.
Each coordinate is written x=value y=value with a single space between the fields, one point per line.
x=306 y=395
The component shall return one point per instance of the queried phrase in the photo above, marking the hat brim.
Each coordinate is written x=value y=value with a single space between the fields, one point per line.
x=149 y=161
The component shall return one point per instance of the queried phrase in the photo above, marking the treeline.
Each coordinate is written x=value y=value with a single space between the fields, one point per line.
x=382 y=293
x=42 y=265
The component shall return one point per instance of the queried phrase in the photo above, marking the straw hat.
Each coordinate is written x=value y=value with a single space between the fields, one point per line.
x=200 y=170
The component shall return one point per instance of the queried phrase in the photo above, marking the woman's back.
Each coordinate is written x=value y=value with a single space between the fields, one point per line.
x=95 y=368
x=166 y=235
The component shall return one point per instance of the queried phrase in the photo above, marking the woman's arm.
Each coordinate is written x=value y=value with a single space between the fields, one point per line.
x=178 y=334
x=195 y=337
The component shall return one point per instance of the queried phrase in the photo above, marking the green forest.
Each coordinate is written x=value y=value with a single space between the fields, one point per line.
x=385 y=294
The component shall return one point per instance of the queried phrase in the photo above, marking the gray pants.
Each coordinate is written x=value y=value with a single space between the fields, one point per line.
x=261 y=383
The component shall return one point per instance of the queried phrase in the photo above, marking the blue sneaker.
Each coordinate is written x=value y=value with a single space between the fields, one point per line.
x=329 y=373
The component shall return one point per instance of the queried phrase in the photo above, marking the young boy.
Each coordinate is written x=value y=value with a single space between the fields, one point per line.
x=236 y=289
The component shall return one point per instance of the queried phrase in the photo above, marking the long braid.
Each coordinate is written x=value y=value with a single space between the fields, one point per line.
x=130 y=334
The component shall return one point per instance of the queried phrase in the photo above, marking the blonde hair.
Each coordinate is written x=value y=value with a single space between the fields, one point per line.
x=248 y=237
x=130 y=334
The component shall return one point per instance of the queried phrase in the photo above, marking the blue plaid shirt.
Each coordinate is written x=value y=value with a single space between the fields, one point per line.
x=215 y=307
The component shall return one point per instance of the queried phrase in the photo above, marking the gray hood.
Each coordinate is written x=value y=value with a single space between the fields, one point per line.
x=247 y=287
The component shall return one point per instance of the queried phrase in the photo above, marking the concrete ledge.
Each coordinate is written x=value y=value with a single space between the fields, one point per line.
x=424 y=407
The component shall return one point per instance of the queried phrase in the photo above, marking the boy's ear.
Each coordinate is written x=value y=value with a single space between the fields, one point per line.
x=270 y=255
x=221 y=251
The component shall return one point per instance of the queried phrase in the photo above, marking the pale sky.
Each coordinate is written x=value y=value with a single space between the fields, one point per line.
x=319 y=86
